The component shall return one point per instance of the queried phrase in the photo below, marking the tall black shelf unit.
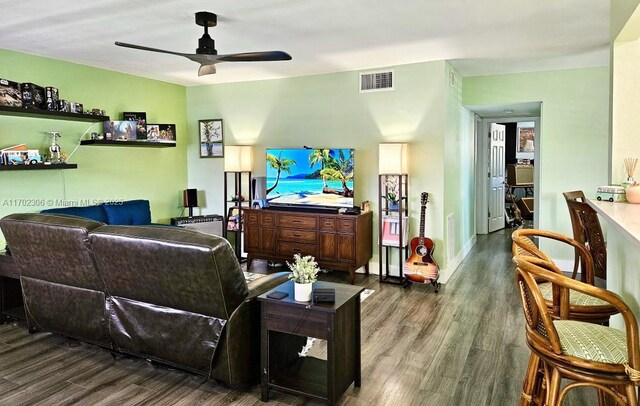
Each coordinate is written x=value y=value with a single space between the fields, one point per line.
x=402 y=212
x=236 y=178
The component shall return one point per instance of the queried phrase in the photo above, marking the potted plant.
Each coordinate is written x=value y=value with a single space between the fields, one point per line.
x=304 y=271
x=393 y=192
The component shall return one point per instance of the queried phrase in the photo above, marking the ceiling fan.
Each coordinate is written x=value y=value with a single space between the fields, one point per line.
x=206 y=54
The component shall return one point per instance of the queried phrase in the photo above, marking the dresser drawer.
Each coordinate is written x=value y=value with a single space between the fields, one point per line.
x=252 y=218
x=292 y=234
x=293 y=221
x=328 y=224
x=347 y=226
x=291 y=248
x=268 y=219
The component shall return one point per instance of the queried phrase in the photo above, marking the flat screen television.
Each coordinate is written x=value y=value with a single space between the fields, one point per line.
x=310 y=177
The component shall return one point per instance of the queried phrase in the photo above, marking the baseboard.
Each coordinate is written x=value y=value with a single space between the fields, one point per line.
x=452 y=267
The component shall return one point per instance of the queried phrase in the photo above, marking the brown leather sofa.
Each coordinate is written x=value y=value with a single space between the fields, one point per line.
x=161 y=293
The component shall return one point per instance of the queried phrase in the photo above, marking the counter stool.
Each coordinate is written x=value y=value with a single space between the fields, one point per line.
x=587 y=230
x=602 y=357
x=581 y=307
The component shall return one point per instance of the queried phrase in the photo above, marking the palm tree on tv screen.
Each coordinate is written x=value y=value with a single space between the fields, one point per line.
x=279 y=164
x=340 y=169
x=321 y=156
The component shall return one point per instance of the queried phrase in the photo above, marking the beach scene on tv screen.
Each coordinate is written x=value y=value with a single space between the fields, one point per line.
x=315 y=177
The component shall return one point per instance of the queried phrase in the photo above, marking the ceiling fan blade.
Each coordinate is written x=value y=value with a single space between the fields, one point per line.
x=206 y=70
x=203 y=59
x=162 y=51
x=255 y=56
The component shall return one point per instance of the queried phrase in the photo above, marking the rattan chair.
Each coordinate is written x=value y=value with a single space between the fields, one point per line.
x=587 y=230
x=588 y=354
x=581 y=307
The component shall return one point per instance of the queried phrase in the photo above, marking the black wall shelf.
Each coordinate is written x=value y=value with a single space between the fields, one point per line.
x=53 y=115
x=143 y=144
x=36 y=167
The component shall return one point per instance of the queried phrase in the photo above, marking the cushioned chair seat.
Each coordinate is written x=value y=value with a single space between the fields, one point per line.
x=592 y=342
x=575 y=298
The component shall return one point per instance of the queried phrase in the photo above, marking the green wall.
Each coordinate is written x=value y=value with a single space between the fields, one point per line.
x=459 y=173
x=574 y=140
x=328 y=111
x=156 y=174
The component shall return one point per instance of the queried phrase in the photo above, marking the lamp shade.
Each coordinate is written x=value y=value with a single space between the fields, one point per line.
x=392 y=159
x=237 y=158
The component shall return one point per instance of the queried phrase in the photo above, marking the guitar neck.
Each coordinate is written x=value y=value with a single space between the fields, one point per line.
x=422 y=211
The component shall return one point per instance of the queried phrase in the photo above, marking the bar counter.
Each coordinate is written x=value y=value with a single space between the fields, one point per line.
x=622 y=224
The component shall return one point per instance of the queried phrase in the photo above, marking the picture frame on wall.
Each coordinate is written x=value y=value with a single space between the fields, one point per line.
x=525 y=140
x=211 y=138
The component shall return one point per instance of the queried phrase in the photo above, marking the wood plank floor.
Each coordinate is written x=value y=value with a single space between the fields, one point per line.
x=463 y=346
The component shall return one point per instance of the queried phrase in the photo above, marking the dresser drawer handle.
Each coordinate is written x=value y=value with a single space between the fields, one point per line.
x=296 y=221
x=296 y=235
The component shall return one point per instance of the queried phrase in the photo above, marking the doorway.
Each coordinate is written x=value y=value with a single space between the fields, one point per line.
x=507 y=149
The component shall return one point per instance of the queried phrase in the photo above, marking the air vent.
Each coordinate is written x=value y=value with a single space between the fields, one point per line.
x=376 y=81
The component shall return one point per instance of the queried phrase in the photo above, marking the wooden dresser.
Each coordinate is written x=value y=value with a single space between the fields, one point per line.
x=337 y=241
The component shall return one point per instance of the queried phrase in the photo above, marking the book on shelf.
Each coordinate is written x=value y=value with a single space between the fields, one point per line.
x=391 y=231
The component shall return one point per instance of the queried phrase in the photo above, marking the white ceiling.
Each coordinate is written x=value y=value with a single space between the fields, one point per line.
x=481 y=37
x=518 y=110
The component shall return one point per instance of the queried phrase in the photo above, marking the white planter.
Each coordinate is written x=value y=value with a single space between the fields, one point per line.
x=302 y=292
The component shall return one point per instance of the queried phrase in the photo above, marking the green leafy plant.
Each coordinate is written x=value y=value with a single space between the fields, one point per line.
x=393 y=189
x=303 y=269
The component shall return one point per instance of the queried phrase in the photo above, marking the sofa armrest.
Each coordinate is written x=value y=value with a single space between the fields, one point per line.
x=261 y=285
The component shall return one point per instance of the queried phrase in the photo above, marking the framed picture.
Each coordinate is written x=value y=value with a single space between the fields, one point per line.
x=234 y=219
x=161 y=133
x=120 y=130
x=211 y=138
x=525 y=140
x=141 y=123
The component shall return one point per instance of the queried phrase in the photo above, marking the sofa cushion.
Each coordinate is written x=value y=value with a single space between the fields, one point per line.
x=129 y=213
x=189 y=270
x=96 y=213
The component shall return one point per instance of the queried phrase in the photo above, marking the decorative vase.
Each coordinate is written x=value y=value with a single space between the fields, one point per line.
x=302 y=292
x=393 y=205
x=633 y=194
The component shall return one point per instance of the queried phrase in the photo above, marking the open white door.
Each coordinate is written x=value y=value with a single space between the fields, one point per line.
x=496 y=177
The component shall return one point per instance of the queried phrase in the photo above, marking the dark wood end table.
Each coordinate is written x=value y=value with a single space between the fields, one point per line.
x=338 y=323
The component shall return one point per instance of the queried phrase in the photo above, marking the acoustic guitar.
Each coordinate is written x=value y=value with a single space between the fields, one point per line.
x=420 y=267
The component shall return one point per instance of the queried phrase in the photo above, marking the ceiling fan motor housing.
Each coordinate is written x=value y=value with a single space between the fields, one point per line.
x=206 y=44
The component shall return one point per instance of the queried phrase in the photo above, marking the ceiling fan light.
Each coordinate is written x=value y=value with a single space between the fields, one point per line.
x=206 y=70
